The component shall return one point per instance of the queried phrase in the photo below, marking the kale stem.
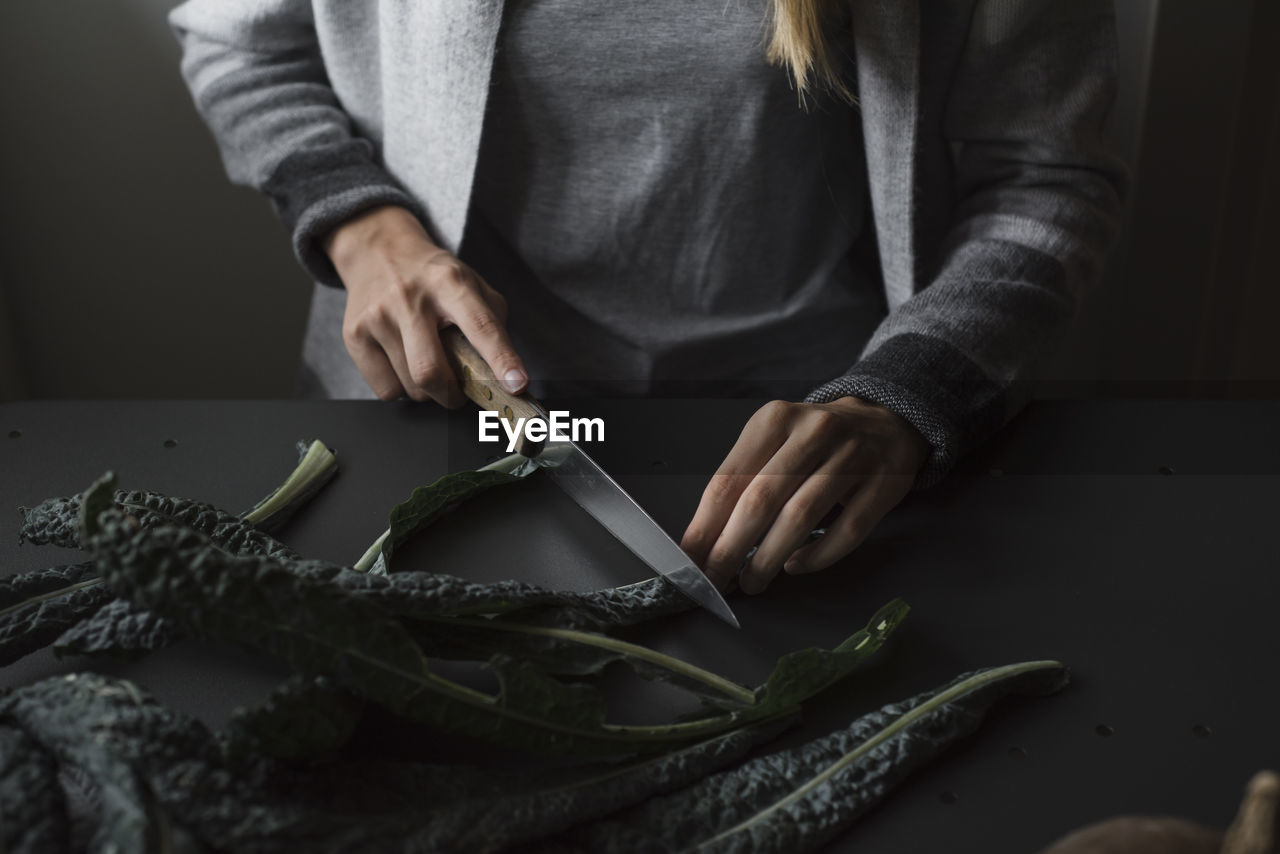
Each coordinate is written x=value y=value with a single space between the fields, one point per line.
x=370 y=556
x=316 y=466
x=52 y=594
x=668 y=662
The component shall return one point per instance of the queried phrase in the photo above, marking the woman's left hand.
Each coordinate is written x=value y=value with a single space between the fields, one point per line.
x=792 y=464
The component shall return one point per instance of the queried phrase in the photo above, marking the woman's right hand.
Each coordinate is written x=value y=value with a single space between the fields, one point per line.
x=401 y=290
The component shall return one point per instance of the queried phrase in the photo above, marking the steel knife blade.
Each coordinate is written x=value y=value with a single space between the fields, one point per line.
x=582 y=478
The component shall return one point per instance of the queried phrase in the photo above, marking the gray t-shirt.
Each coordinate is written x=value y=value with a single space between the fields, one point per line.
x=659 y=211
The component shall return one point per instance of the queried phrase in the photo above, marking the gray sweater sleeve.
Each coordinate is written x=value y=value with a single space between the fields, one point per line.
x=259 y=82
x=1038 y=202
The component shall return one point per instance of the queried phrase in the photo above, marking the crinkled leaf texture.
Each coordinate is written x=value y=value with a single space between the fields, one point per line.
x=111 y=733
x=302 y=718
x=118 y=628
x=70 y=607
x=56 y=522
x=37 y=607
x=493 y=822
x=32 y=809
x=797 y=800
x=318 y=627
x=257 y=602
x=157 y=781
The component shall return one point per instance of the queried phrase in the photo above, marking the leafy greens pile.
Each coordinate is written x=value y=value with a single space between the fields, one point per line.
x=88 y=761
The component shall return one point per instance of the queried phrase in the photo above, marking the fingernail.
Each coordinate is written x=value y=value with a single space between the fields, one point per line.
x=514 y=380
x=793 y=566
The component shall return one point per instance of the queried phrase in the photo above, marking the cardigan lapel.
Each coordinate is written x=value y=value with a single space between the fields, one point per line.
x=887 y=45
x=441 y=101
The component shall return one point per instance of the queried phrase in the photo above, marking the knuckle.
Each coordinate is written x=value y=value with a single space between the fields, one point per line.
x=450 y=276
x=721 y=558
x=824 y=422
x=853 y=530
x=694 y=539
x=799 y=512
x=483 y=323
x=757 y=499
x=774 y=413
x=405 y=288
x=720 y=489
x=426 y=374
x=359 y=328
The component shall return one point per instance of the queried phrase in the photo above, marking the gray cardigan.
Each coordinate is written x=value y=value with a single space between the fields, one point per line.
x=994 y=197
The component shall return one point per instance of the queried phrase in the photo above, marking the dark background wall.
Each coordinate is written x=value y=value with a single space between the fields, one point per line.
x=129 y=267
x=1197 y=280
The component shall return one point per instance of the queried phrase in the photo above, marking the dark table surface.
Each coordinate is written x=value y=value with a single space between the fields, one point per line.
x=1133 y=540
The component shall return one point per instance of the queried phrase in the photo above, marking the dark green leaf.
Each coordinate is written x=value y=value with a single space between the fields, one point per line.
x=415 y=594
x=569 y=652
x=426 y=503
x=801 y=674
x=117 y=628
x=55 y=522
x=33 y=813
x=527 y=691
x=256 y=602
x=303 y=717
x=37 y=607
x=319 y=628
x=80 y=618
x=797 y=800
x=492 y=823
x=111 y=733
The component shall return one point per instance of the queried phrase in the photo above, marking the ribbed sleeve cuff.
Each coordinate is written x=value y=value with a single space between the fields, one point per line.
x=314 y=191
x=931 y=384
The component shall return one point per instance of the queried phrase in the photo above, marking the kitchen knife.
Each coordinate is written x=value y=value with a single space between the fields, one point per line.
x=583 y=479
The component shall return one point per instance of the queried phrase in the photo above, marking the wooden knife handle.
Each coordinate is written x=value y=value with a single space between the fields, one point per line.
x=479 y=384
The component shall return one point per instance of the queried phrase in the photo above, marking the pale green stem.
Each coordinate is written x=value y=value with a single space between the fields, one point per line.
x=315 y=468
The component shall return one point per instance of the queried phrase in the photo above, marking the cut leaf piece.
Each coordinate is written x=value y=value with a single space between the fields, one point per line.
x=316 y=467
x=423 y=506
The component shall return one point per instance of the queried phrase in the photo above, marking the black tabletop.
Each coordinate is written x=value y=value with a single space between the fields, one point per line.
x=1134 y=541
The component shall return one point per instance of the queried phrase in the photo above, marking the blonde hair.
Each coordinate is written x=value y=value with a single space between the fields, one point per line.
x=800 y=40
